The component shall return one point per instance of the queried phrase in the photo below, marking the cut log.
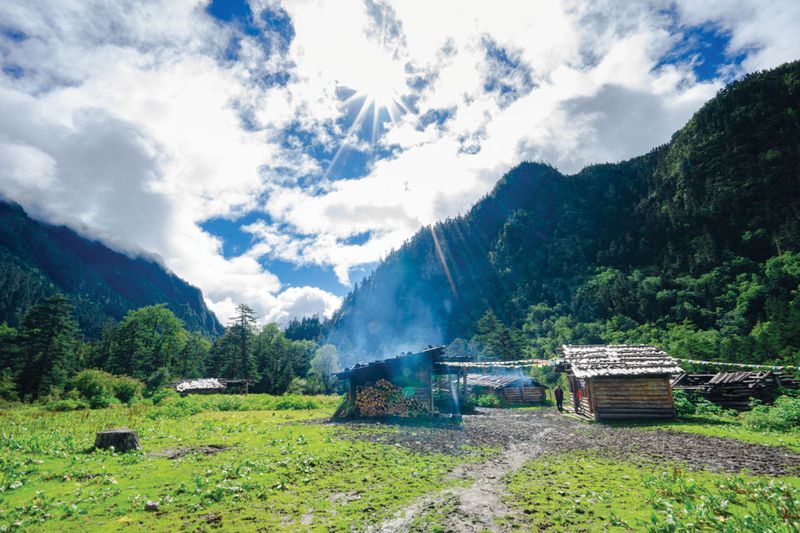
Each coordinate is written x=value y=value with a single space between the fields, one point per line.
x=121 y=440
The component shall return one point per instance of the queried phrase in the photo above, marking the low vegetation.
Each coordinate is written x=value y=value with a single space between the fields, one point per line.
x=276 y=470
x=579 y=491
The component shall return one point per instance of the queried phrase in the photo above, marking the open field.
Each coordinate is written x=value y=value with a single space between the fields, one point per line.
x=275 y=463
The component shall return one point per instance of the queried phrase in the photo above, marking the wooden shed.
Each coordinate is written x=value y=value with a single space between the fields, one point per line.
x=412 y=373
x=735 y=390
x=511 y=389
x=609 y=382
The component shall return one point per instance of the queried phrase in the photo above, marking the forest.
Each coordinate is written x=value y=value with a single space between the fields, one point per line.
x=48 y=358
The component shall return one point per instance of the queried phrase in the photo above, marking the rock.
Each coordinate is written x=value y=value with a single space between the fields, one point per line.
x=122 y=439
x=151 y=506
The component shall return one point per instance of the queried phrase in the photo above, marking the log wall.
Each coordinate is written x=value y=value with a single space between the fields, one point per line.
x=633 y=397
x=522 y=395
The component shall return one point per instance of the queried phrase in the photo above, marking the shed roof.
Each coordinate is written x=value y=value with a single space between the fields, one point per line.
x=430 y=355
x=498 y=381
x=607 y=360
x=200 y=384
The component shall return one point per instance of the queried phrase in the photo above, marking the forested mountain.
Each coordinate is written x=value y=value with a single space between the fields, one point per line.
x=693 y=246
x=38 y=260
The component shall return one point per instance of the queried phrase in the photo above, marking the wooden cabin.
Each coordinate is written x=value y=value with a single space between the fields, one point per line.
x=510 y=389
x=200 y=386
x=612 y=382
x=412 y=373
x=212 y=386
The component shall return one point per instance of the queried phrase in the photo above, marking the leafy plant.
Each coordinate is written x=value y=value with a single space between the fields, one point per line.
x=783 y=415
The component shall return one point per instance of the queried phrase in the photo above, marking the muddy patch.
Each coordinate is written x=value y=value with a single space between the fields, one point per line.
x=183 y=451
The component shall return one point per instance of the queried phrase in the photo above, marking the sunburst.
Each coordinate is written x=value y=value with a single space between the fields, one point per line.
x=378 y=88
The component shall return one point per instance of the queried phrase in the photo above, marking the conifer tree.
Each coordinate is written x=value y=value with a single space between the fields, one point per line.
x=48 y=346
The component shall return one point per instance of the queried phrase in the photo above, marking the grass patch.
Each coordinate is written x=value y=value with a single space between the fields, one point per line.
x=585 y=492
x=719 y=426
x=281 y=473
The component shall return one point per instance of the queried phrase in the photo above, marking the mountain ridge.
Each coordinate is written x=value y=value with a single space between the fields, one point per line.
x=721 y=195
x=38 y=259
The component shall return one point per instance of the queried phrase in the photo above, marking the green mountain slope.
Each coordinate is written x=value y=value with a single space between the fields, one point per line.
x=694 y=246
x=38 y=259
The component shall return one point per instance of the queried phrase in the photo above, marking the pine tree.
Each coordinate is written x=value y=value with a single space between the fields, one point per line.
x=242 y=326
x=48 y=346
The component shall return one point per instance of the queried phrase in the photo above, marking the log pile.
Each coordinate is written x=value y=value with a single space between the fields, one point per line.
x=384 y=399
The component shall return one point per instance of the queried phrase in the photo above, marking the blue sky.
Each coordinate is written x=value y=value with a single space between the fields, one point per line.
x=274 y=152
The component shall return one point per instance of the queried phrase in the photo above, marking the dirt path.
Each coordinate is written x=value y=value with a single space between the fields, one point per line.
x=476 y=502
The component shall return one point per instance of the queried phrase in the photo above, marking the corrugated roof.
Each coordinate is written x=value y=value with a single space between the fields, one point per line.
x=199 y=384
x=590 y=361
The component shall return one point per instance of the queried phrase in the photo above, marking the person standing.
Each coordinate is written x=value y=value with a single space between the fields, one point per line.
x=559 y=394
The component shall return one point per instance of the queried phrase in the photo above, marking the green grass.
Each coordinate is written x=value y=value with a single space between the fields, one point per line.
x=585 y=492
x=725 y=427
x=282 y=472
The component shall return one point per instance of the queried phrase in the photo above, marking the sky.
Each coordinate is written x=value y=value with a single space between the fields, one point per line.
x=273 y=153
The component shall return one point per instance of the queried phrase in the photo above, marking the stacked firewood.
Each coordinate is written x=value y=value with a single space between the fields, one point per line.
x=384 y=399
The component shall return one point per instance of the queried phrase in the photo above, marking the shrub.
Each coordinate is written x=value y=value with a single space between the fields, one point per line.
x=683 y=405
x=8 y=389
x=127 y=389
x=102 y=389
x=66 y=405
x=292 y=401
x=160 y=395
x=488 y=400
x=158 y=379
x=175 y=409
x=784 y=415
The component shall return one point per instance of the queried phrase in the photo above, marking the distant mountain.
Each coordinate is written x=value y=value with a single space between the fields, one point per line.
x=38 y=259
x=693 y=245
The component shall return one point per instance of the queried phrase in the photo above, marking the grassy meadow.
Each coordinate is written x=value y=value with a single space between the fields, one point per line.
x=282 y=469
x=281 y=472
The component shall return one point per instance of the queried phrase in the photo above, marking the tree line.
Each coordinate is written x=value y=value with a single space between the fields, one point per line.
x=152 y=345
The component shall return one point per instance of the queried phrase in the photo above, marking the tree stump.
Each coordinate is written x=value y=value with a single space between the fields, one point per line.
x=121 y=440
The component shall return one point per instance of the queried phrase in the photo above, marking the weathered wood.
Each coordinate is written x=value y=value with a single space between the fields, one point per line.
x=122 y=439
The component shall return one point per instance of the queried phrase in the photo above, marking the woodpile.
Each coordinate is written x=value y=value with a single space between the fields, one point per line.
x=384 y=399
x=735 y=390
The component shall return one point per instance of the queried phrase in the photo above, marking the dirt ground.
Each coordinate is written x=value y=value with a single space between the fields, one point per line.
x=524 y=435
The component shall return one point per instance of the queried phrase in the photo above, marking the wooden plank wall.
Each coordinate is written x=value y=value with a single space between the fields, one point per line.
x=644 y=397
x=522 y=395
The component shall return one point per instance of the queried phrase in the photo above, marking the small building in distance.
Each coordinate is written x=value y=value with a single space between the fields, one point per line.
x=200 y=386
x=611 y=382
x=509 y=388
x=212 y=386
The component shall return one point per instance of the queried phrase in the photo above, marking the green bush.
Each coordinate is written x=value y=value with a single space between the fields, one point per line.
x=175 y=409
x=683 y=405
x=66 y=405
x=488 y=400
x=783 y=415
x=8 y=389
x=293 y=401
x=160 y=395
x=127 y=389
x=102 y=389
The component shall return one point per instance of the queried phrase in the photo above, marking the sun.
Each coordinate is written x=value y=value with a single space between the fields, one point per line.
x=382 y=80
x=379 y=82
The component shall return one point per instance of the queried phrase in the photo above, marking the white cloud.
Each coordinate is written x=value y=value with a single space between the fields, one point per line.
x=128 y=121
